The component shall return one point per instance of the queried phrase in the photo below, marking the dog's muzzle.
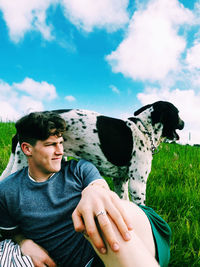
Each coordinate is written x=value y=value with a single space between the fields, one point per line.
x=180 y=124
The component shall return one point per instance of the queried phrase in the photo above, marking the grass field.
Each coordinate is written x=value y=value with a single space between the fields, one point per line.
x=173 y=191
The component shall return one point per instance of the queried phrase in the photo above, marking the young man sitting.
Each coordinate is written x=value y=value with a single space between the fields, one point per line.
x=64 y=214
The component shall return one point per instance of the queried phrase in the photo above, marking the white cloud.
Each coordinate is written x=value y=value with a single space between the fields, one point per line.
x=38 y=90
x=152 y=47
x=114 y=89
x=187 y=102
x=193 y=56
x=7 y=112
x=70 y=98
x=22 y=16
x=18 y=99
x=27 y=104
x=87 y=14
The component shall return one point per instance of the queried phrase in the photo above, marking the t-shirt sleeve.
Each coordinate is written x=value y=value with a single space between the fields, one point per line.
x=88 y=172
x=6 y=220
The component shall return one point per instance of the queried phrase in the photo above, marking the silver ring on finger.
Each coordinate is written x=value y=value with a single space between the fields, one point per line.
x=102 y=212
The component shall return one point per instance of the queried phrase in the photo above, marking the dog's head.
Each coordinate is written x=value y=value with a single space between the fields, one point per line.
x=167 y=114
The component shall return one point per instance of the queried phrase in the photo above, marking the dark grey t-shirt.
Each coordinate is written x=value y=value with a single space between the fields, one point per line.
x=43 y=210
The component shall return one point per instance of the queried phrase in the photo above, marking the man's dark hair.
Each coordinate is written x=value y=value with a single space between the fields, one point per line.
x=39 y=126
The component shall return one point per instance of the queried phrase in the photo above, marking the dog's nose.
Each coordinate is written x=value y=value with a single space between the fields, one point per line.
x=181 y=124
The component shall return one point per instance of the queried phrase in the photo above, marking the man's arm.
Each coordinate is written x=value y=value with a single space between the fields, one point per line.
x=28 y=247
x=97 y=197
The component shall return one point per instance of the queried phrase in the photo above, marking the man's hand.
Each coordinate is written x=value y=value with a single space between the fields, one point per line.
x=96 y=198
x=38 y=255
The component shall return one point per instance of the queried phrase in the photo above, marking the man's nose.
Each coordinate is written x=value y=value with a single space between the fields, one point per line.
x=59 y=149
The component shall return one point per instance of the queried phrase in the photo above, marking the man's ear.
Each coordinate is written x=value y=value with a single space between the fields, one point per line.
x=26 y=148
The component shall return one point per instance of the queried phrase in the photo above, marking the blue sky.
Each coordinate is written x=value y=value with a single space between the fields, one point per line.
x=108 y=56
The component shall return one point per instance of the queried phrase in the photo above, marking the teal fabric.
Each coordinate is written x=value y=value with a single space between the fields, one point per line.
x=162 y=235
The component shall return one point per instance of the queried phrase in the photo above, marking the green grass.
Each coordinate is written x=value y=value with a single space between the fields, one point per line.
x=7 y=130
x=173 y=191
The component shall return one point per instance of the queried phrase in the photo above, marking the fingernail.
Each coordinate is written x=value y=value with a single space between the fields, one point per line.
x=115 y=247
x=103 y=250
x=127 y=236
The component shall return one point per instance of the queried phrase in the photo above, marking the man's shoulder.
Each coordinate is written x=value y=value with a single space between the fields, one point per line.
x=13 y=178
x=77 y=163
x=74 y=162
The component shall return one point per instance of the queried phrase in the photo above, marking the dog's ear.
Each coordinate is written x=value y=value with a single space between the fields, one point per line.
x=164 y=112
x=167 y=114
x=137 y=112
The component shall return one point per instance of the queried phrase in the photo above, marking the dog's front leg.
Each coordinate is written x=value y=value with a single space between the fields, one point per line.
x=125 y=191
x=137 y=190
x=121 y=187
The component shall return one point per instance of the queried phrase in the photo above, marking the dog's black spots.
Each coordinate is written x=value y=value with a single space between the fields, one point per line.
x=84 y=127
x=142 y=194
x=80 y=114
x=146 y=172
x=135 y=170
x=77 y=138
x=134 y=153
x=137 y=198
x=78 y=153
x=140 y=148
x=116 y=140
x=95 y=131
x=98 y=158
x=19 y=161
x=94 y=144
x=81 y=146
x=18 y=152
x=134 y=192
x=142 y=143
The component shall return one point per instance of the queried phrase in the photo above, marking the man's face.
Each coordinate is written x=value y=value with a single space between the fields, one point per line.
x=46 y=156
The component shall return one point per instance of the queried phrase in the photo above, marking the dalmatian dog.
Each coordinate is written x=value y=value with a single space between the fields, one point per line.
x=121 y=149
